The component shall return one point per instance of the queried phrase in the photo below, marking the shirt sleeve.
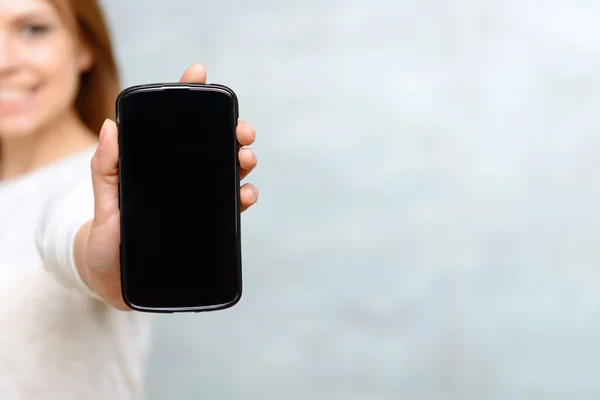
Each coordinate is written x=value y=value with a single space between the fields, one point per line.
x=60 y=221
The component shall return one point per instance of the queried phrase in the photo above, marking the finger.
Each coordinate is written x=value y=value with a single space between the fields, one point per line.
x=245 y=133
x=105 y=174
x=248 y=196
x=247 y=161
x=194 y=74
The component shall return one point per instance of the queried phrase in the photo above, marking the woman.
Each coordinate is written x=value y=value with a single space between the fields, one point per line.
x=65 y=331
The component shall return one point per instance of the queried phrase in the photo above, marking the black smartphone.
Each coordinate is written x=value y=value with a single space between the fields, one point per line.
x=179 y=197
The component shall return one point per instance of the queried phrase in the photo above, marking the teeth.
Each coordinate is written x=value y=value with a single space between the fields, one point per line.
x=12 y=94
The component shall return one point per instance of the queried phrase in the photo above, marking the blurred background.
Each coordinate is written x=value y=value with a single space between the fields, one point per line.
x=430 y=183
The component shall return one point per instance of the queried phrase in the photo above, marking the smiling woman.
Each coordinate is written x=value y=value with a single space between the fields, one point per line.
x=65 y=331
x=41 y=67
x=58 y=83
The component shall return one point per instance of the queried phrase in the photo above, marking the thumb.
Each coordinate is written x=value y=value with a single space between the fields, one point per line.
x=105 y=174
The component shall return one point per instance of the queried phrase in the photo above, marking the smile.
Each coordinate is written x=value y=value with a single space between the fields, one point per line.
x=13 y=94
x=15 y=100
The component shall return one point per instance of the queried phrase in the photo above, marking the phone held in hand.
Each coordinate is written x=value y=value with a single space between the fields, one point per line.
x=179 y=186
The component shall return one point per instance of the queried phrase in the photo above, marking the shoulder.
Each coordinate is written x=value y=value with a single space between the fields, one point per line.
x=68 y=181
x=74 y=167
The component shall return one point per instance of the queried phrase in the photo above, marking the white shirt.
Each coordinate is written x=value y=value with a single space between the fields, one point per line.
x=57 y=341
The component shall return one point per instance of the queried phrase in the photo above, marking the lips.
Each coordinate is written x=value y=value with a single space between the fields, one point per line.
x=15 y=100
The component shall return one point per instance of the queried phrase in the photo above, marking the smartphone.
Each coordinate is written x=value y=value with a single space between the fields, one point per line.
x=179 y=186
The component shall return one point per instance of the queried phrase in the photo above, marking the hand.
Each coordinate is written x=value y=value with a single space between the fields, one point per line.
x=97 y=244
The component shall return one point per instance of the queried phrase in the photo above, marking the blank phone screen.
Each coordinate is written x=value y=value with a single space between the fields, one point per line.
x=179 y=191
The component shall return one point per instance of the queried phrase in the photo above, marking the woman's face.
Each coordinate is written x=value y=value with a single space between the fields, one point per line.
x=41 y=61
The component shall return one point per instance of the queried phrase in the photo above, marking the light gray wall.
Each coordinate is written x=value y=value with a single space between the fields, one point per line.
x=428 y=226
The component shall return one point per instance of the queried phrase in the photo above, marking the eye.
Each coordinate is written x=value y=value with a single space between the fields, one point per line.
x=33 y=30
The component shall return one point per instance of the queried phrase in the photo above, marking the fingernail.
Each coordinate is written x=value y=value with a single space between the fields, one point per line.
x=250 y=193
